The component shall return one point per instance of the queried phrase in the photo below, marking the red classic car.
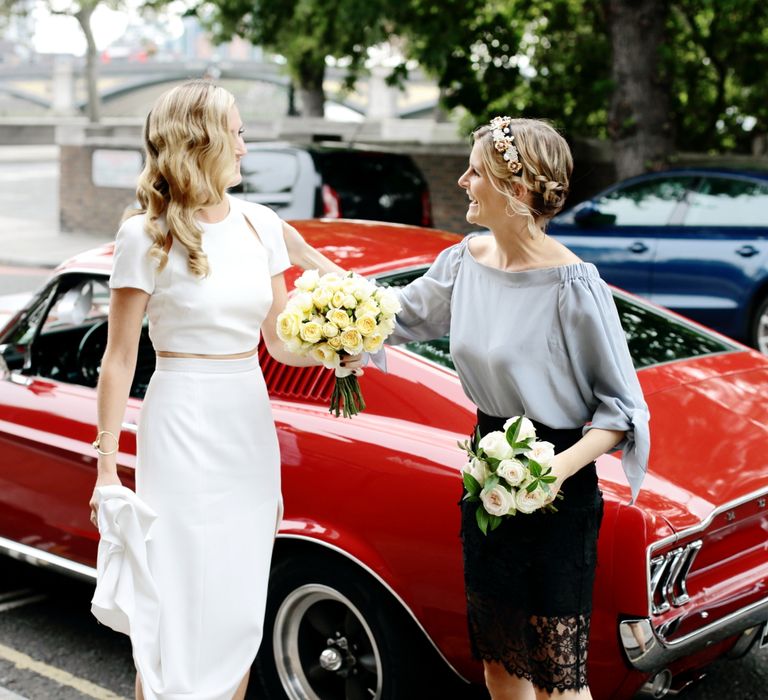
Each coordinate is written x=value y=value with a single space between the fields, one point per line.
x=366 y=594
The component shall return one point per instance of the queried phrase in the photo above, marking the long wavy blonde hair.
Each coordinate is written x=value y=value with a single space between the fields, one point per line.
x=189 y=164
x=546 y=172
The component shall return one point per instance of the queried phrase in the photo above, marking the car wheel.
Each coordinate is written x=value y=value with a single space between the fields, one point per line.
x=760 y=327
x=332 y=633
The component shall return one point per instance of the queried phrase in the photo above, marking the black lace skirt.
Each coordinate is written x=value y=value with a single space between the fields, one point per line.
x=529 y=582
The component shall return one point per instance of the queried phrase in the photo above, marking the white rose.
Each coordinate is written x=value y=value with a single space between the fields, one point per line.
x=478 y=469
x=530 y=502
x=541 y=452
x=308 y=280
x=386 y=326
x=363 y=289
x=526 y=428
x=337 y=299
x=296 y=346
x=332 y=280
x=348 y=285
x=497 y=501
x=495 y=445
x=303 y=301
x=512 y=471
x=349 y=301
x=388 y=301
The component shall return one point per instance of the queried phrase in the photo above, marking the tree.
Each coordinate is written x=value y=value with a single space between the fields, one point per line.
x=639 y=120
x=305 y=32
x=82 y=11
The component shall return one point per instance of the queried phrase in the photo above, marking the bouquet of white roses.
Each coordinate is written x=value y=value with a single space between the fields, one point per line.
x=329 y=316
x=508 y=472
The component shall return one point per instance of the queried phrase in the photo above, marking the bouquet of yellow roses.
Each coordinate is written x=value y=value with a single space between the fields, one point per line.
x=508 y=472
x=328 y=316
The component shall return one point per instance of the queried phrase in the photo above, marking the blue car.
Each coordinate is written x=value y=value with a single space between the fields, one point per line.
x=694 y=240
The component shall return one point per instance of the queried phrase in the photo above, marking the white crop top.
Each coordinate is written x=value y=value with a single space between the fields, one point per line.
x=222 y=313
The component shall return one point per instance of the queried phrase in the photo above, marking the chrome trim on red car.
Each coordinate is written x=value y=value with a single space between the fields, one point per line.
x=371 y=572
x=38 y=557
x=652 y=563
x=647 y=651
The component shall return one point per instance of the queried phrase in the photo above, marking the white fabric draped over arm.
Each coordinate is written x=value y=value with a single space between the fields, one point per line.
x=604 y=372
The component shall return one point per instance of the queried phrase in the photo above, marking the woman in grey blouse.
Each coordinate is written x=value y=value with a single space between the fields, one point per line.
x=533 y=331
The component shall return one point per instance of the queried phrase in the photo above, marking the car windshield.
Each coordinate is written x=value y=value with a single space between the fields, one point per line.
x=653 y=336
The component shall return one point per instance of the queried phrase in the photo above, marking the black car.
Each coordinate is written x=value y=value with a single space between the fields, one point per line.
x=305 y=182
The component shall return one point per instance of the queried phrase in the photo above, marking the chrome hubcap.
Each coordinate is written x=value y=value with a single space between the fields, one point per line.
x=324 y=649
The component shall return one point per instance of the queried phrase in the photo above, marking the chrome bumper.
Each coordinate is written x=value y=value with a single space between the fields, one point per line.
x=648 y=651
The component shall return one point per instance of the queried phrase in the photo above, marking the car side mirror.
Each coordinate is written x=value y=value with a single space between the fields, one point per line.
x=590 y=215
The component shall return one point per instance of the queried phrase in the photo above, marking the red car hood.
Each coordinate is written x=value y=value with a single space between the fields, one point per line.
x=709 y=440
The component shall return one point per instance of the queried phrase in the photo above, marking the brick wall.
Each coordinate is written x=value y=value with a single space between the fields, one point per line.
x=83 y=207
x=449 y=203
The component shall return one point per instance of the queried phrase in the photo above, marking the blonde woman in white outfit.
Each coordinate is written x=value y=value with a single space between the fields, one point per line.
x=207 y=270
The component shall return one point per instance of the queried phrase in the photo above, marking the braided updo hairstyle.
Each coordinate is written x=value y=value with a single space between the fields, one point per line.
x=546 y=170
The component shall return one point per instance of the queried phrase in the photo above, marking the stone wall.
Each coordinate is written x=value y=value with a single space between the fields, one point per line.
x=84 y=207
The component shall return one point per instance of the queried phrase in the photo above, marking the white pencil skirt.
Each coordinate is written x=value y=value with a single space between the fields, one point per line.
x=209 y=466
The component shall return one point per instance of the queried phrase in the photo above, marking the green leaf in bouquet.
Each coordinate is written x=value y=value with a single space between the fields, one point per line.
x=471 y=484
x=532 y=486
x=478 y=437
x=470 y=498
x=482 y=517
x=512 y=432
x=535 y=468
x=490 y=483
x=548 y=479
x=493 y=463
x=495 y=521
x=523 y=444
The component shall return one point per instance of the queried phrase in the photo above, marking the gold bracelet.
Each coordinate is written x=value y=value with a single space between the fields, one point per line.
x=97 y=442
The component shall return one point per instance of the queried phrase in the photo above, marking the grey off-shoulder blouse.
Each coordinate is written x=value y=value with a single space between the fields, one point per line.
x=545 y=343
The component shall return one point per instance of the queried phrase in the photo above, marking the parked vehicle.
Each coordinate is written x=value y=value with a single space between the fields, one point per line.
x=366 y=587
x=693 y=240
x=302 y=182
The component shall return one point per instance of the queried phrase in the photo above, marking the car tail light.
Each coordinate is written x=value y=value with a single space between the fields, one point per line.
x=668 y=574
x=331 y=202
x=426 y=209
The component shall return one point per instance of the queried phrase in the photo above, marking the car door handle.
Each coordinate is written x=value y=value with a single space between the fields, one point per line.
x=747 y=251
x=638 y=247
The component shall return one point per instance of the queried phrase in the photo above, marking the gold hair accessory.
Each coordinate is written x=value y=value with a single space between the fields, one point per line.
x=504 y=142
x=97 y=442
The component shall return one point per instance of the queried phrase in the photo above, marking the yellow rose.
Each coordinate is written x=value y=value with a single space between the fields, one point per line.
x=366 y=325
x=373 y=342
x=335 y=343
x=349 y=301
x=288 y=325
x=339 y=317
x=311 y=332
x=326 y=355
x=337 y=299
x=321 y=297
x=367 y=308
x=330 y=330
x=303 y=301
x=352 y=341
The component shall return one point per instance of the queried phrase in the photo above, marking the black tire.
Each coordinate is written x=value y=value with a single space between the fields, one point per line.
x=321 y=604
x=760 y=326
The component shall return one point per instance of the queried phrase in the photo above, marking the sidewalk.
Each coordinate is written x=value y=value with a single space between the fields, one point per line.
x=29 y=210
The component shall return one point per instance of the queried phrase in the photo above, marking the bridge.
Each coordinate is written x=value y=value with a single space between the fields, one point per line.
x=59 y=86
